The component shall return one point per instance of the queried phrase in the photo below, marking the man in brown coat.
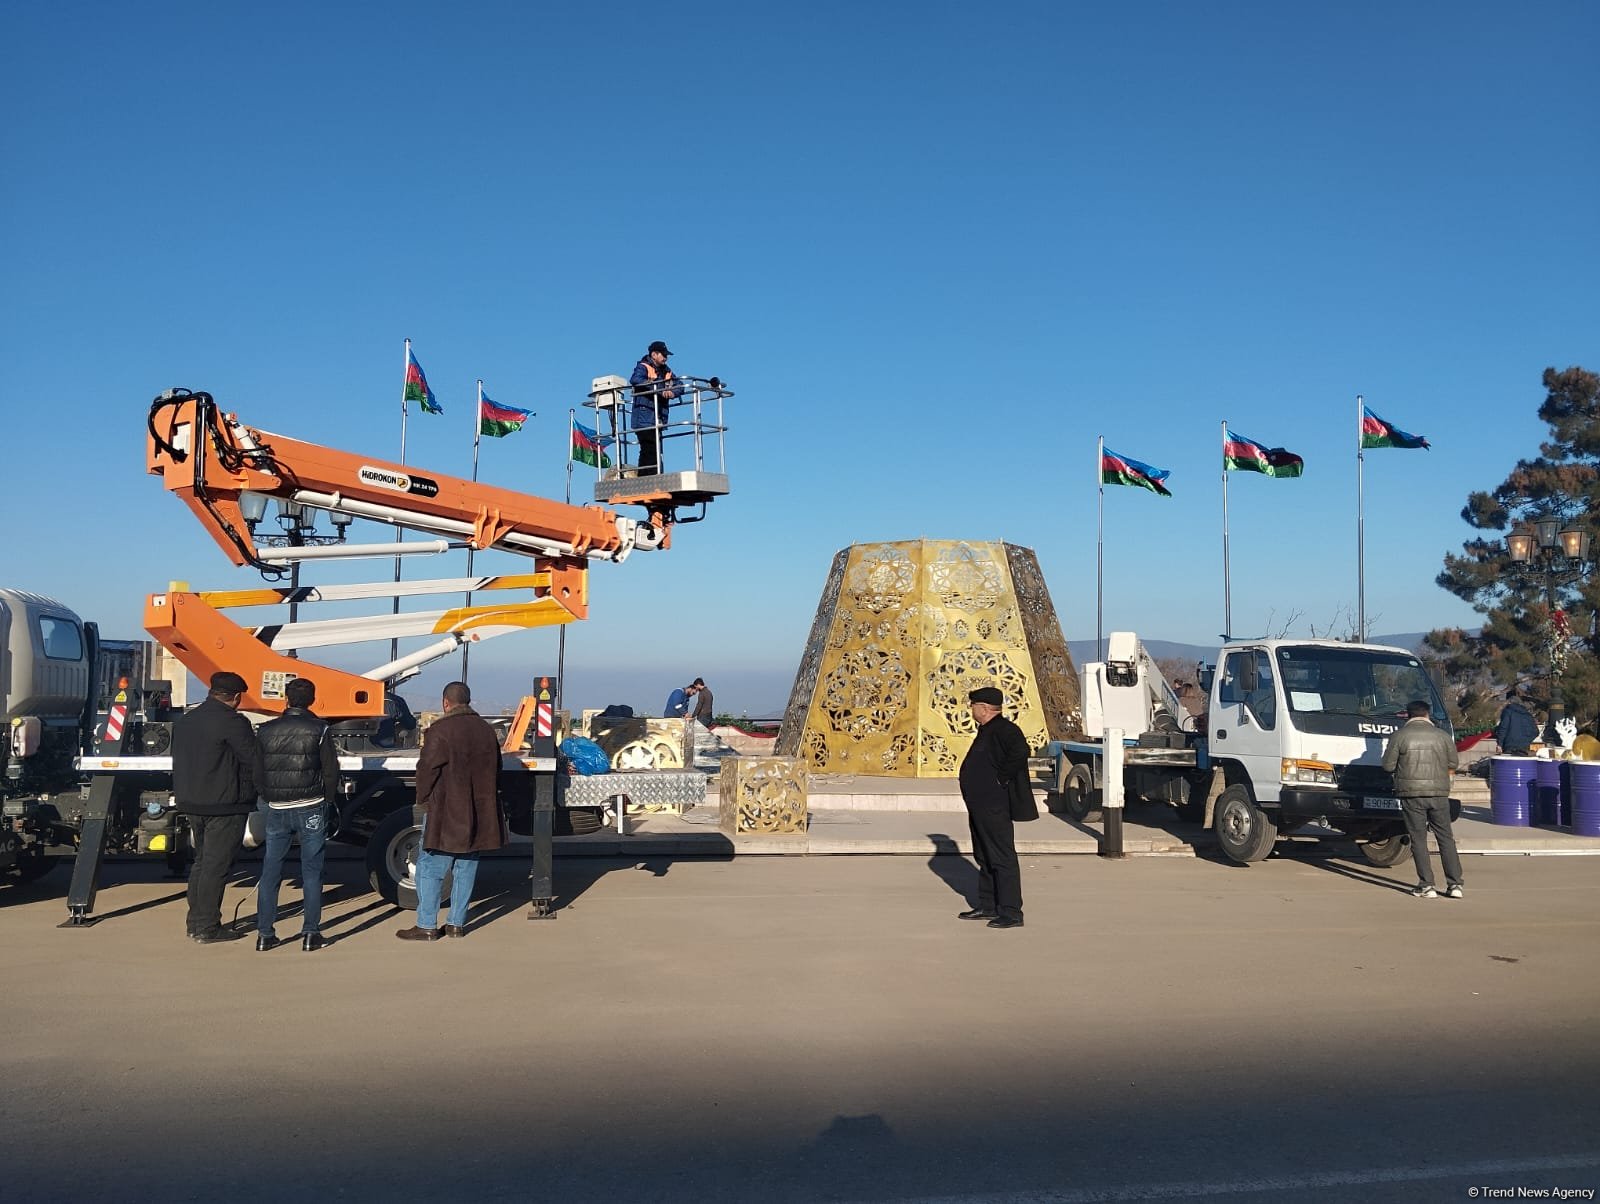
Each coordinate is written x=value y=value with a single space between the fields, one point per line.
x=458 y=788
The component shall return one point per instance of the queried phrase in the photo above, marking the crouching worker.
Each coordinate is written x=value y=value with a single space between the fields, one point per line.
x=297 y=776
x=458 y=777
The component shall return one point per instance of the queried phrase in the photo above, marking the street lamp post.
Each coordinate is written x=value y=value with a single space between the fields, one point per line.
x=299 y=523
x=1561 y=556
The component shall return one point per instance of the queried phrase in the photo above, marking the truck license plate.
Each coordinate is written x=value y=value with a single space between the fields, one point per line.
x=1383 y=804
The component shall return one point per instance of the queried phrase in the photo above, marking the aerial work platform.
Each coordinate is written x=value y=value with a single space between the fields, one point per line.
x=689 y=438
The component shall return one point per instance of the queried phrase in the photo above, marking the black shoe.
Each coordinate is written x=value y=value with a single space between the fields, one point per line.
x=456 y=930
x=310 y=942
x=1006 y=922
x=977 y=913
x=266 y=941
x=217 y=935
x=418 y=934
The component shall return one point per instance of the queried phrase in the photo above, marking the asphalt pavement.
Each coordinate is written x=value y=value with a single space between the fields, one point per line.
x=821 y=1028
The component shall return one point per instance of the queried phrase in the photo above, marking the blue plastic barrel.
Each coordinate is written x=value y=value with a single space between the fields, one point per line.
x=1512 y=781
x=1585 y=778
x=1547 y=793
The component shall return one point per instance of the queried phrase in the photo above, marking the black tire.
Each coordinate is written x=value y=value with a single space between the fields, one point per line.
x=581 y=821
x=1079 y=798
x=392 y=859
x=1245 y=832
x=1387 y=851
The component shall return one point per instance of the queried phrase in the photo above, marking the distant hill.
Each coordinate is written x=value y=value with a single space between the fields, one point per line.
x=1084 y=650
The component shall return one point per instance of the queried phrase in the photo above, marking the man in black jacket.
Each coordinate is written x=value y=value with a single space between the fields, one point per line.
x=297 y=776
x=998 y=754
x=1517 y=730
x=213 y=781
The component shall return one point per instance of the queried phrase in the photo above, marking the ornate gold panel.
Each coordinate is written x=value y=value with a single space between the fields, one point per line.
x=761 y=796
x=902 y=633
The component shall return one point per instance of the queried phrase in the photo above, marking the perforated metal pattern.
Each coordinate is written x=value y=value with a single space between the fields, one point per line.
x=903 y=633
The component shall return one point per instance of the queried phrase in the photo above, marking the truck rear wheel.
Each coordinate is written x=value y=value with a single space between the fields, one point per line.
x=1390 y=850
x=1244 y=831
x=1079 y=797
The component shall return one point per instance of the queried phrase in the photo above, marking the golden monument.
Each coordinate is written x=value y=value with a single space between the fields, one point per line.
x=903 y=632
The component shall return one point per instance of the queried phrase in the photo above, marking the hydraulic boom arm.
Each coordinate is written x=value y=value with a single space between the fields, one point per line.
x=210 y=459
x=225 y=472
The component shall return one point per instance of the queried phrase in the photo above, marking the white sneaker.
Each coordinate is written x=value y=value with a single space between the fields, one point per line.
x=1455 y=892
x=1423 y=891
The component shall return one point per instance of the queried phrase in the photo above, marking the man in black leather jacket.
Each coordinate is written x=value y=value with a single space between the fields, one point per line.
x=213 y=782
x=297 y=776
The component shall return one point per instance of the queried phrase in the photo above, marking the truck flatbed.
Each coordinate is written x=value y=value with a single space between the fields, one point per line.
x=1133 y=753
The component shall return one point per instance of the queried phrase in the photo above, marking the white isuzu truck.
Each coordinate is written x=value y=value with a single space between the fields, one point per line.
x=1293 y=732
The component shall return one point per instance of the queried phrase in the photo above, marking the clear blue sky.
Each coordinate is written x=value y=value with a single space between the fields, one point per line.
x=937 y=249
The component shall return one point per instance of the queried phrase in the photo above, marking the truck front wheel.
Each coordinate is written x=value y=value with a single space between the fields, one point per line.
x=1244 y=831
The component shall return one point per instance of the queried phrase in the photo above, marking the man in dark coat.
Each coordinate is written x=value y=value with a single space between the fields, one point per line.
x=999 y=754
x=1517 y=730
x=703 y=710
x=297 y=775
x=213 y=782
x=458 y=787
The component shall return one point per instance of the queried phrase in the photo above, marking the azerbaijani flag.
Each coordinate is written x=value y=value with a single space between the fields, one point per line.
x=1246 y=455
x=498 y=420
x=588 y=447
x=1375 y=432
x=1123 y=470
x=417 y=387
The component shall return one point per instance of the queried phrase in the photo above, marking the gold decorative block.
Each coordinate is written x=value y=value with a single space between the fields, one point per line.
x=903 y=632
x=762 y=796
x=644 y=741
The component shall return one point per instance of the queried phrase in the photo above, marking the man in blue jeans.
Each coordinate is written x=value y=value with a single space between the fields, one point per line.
x=297 y=777
x=458 y=778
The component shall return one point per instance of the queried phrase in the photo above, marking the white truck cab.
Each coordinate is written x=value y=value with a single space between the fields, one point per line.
x=1298 y=728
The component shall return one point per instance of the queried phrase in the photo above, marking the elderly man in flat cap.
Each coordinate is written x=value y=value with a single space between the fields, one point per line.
x=999 y=754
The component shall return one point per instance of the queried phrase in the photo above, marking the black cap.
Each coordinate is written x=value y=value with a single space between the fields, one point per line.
x=658 y=345
x=987 y=694
x=227 y=684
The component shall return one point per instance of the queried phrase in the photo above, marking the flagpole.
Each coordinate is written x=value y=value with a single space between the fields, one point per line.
x=477 y=436
x=561 y=636
x=1100 y=550
x=400 y=532
x=1361 y=530
x=1227 y=585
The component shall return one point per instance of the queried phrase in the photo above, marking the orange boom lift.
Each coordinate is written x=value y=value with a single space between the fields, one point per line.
x=226 y=472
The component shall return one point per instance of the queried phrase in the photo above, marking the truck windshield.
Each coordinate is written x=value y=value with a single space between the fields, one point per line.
x=1354 y=691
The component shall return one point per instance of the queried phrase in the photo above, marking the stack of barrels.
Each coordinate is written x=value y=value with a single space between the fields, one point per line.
x=1524 y=791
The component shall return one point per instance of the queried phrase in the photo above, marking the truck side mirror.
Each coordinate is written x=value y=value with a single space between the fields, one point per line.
x=1249 y=682
x=1206 y=675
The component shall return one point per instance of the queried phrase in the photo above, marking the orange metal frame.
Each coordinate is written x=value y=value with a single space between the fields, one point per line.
x=212 y=491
